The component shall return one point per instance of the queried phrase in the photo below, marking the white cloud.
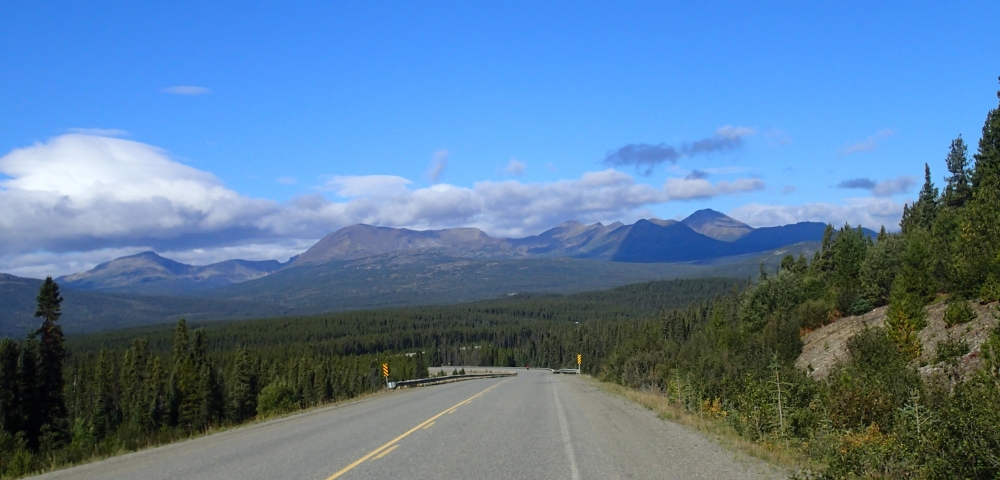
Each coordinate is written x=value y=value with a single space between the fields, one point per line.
x=868 y=212
x=869 y=144
x=438 y=164
x=189 y=90
x=695 y=187
x=77 y=200
x=893 y=186
x=515 y=167
x=78 y=192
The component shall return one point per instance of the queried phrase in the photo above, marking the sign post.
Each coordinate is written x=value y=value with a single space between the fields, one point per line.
x=385 y=373
x=579 y=361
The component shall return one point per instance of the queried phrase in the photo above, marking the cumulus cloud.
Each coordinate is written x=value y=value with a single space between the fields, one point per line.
x=869 y=144
x=648 y=156
x=77 y=200
x=438 y=164
x=515 y=167
x=885 y=188
x=79 y=192
x=189 y=90
x=699 y=188
x=867 y=212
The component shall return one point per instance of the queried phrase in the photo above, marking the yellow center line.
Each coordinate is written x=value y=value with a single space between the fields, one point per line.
x=392 y=442
x=386 y=452
x=429 y=425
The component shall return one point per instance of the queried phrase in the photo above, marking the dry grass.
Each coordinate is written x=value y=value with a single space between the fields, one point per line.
x=784 y=454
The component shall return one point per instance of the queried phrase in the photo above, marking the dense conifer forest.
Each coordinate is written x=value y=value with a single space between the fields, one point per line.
x=720 y=347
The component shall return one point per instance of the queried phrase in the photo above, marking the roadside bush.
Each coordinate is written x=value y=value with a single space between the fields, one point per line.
x=958 y=312
x=869 y=388
x=277 y=397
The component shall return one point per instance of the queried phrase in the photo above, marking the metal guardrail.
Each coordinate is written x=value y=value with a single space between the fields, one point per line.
x=574 y=371
x=450 y=378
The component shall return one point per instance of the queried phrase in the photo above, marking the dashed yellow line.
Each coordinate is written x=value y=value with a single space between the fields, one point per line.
x=391 y=445
x=429 y=425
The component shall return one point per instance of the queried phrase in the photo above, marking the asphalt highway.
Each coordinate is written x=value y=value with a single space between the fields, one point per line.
x=534 y=425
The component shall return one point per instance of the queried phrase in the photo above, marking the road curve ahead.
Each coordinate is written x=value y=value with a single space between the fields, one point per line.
x=534 y=425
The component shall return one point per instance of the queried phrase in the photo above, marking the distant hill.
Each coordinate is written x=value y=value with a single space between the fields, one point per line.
x=149 y=273
x=396 y=279
x=91 y=311
x=704 y=235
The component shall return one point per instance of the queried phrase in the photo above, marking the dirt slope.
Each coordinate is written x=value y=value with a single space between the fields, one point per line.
x=823 y=348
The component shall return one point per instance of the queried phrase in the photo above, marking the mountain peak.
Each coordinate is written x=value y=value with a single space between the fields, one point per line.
x=717 y=225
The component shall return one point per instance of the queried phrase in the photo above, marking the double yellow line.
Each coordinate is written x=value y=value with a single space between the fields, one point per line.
x=380 y=451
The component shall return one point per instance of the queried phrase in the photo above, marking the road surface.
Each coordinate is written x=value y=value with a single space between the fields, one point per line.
x=534 y=425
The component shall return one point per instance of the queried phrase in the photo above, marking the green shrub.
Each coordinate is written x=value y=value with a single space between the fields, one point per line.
x=958 y=312
x=949 y=350
x=277 y=397
x=814 y=313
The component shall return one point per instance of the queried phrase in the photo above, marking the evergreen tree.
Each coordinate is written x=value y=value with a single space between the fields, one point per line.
x=421 y=370
x=51 y=354
x=923 y=212
x=32 y=417
x=185 y=404
x=244 y=388
x=977 y=249
x=959 y=187
x=10 y=408
x=987 y=166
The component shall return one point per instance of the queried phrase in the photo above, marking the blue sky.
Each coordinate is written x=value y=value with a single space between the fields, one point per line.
x=251 y=129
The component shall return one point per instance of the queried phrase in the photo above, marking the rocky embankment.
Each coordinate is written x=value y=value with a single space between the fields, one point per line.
x=825 y=347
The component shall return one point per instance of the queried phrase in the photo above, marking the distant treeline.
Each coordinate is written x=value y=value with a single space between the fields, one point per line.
x=129 y=389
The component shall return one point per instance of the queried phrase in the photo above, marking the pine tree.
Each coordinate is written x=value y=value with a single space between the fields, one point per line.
x=977 y=249
x=987 y=168
x=959 y=187
x=923 y=212
x=904 y=318
x=421 y=368
x=51 y=354
x=10 y=408
x=32 y=417
x=244 y=388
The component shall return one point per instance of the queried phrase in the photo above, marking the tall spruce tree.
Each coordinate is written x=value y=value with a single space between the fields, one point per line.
x=32 y=417
x=10 y=408
x=987 y=166
x=51 y=355
x=244 y=388
x=977 y=250
x=923 y=212
x=959 y=187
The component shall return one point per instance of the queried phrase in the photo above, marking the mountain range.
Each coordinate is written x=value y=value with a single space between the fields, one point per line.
x=364 y=266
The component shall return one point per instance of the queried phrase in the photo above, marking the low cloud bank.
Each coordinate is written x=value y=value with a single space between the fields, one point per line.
x=80 y=199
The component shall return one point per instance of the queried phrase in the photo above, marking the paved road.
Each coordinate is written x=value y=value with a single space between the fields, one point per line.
x=535 y=425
